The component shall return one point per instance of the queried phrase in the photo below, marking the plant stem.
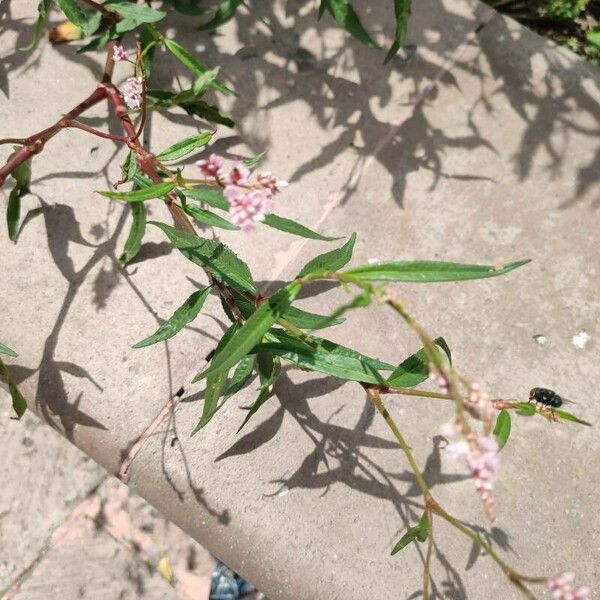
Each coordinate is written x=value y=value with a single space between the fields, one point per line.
x=426 y=567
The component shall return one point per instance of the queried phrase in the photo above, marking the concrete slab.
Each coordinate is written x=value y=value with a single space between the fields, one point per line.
x=43 y=478
x=486 y=161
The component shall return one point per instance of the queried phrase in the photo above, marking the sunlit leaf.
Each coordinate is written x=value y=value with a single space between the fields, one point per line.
x=294 y=228
x=429 y=271
x=502 y=428
x=567 y=416
x=43 y=7
x=417 y=533
x=253 y=329
x=184 y=147
x=157 y=190
x=136 y=233
x=213 y=256
x=191 y=63
x=209 y=218
x=18 y=402
x=241 y=375
x=330 y=261
x=88 y=22
x=22 y=176
x=133 y=15
x=185 y=314
x=266 y=389
x=415 y=369
x=307 y=320
x=6 y=350
x=346 y=17
x=210 y=196
x=402 y=10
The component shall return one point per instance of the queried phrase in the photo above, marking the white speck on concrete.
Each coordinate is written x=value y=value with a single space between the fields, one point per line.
x=581 y=339
x=284 y=491
x=373 y=261
x=540 y=339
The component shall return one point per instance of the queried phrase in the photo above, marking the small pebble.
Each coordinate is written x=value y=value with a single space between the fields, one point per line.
x=581 y=339
x=540 y=339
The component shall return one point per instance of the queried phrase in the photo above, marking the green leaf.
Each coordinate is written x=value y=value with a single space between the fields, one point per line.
x=525 y=409
x=502 y=428
x=241 y=375
x=593 y=36
x=567 y=416
x=185 y=146
x=18 y=402
x=330 y=261
x=215 y=383
x=6 y=350
x=43 y=7
x=429 y=271
x=325 y=356
x=418 y=533
x=255 y=160
x=205 y=216
x=133 y=15
x=22 y=176
x=210 y=196
x=361 y=300
x=294 y=228
x=87 y=22
x=415 y=369
x=191 y=63
x=206 y=111
x=185 y=314
x=136 y=233
x=253 y=329
x=306 y=320
x=149 y=39
x=213 y=256
x=266 y=389
x=158 y=190
x=402 y=10
x=225 y=11
x=129 y=167
x=346 y=17
x=204 y=81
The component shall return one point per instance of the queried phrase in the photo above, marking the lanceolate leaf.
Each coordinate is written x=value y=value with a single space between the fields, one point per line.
x=158 y=190
x=306 y=320
x=402 y=9
x=18 y=402
x=185 y=146
x=241 y=375
x=224 y=12
x=185 y=314
x=133 y=15
x=266 y=389
x=502 y=428
x=212 y=255
x=429 y=271
x=205 y=216
x=191 y=63
x=290 y=226
x=22 y=177
x=419 y=533
x=346 y=17
x=204 y=81
x=255 y=160
x=209 y=196
x=415 y=369
x=6 y=350
x=215 y=382
x=253 y=329
x=330 y=261
x=317 y=359
x=39 y=26
x=567 y=416
x=136 y=233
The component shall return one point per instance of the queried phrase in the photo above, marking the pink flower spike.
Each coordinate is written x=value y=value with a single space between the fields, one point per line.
x=247 y=207
x=238 y=175
x=133 y=90
x=562 y=588
x=119 y=53
x=271 y=183
x=211 y=167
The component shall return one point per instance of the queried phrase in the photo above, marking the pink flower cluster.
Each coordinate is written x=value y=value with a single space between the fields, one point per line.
x=480 y=455
x=562 y=588
x=248 y=202
x=132 y=91
x=119 y=53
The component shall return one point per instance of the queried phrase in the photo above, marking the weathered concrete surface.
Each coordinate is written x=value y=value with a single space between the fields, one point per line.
x=467 y=148
x=65 y=534
x=43 y=478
